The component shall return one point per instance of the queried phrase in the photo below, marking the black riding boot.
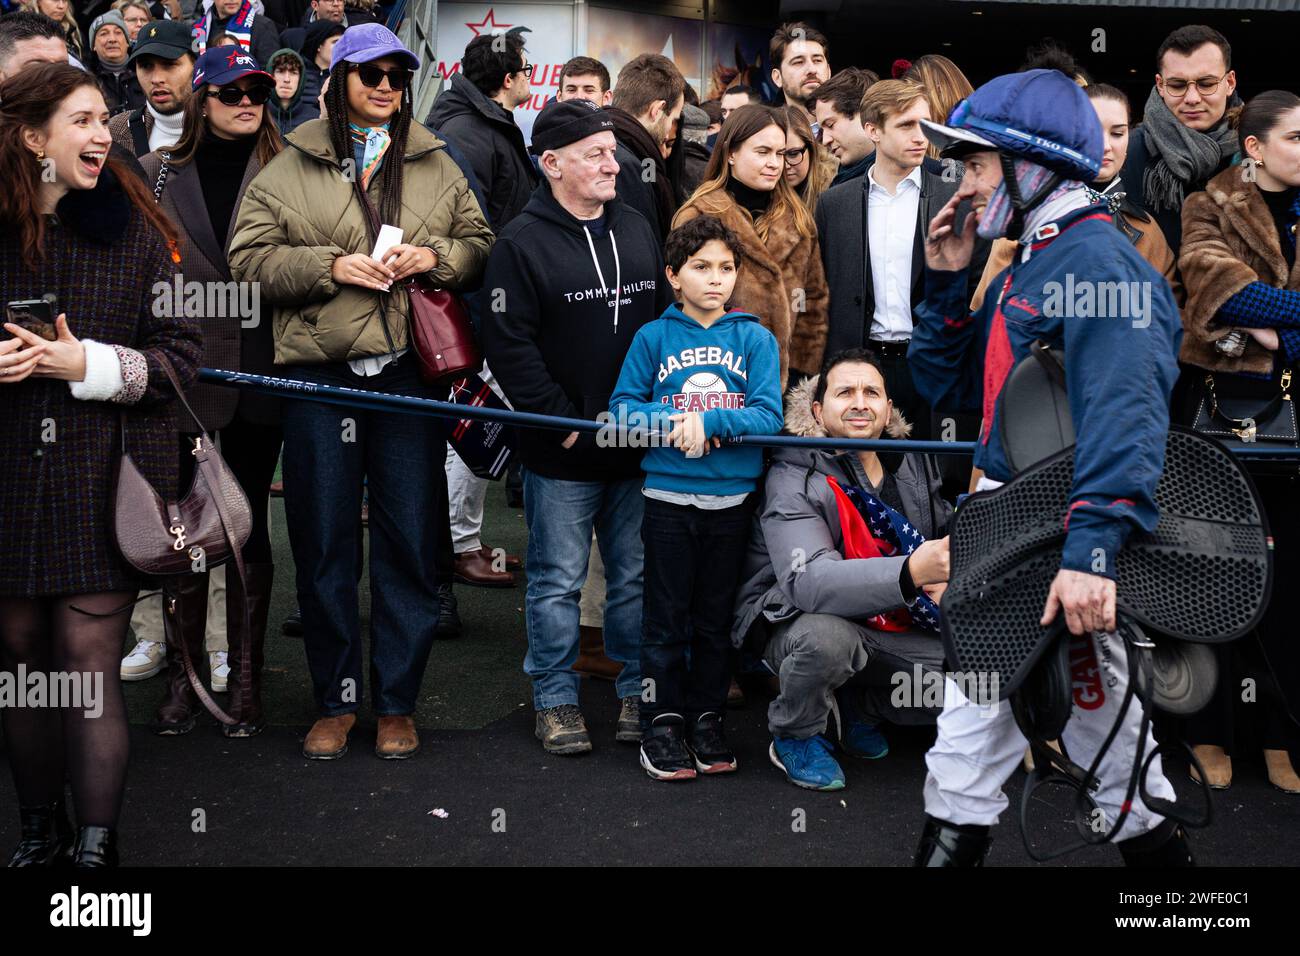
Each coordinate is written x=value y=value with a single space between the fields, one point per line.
x=1165 y=847
x=948 y=844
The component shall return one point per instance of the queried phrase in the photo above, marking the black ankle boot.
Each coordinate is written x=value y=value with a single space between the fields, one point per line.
x=449 y=624
x=46 y=835
x=948 y=844
x=1165 y=847
x=96 y=846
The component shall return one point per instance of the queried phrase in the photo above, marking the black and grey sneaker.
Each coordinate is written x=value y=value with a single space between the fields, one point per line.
x=663 y=750
x=708 y=745
x=449 y=625
x=562 y=730
x=629 y=721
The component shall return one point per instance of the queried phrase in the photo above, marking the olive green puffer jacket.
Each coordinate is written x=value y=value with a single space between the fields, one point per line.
x=300 y=213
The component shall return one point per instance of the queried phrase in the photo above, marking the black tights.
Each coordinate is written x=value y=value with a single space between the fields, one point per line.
x=48 y=744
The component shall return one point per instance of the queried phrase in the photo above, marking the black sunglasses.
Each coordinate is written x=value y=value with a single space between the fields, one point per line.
x=233 y=95
x=372 y=76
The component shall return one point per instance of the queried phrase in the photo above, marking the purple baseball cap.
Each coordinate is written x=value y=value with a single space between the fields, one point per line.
x=220 y=65
x=370 y=41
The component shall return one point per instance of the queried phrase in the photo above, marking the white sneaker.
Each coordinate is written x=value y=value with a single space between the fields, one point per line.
x=146 y=659
x=219 y=669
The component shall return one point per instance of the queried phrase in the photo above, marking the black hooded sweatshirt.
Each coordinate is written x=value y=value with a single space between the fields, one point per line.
x=553 y=335
x=486 y=133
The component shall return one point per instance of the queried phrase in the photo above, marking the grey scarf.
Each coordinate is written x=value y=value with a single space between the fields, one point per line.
x=1183 y=156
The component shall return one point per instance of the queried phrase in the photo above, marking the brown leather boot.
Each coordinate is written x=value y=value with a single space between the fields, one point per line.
x=397 y=738
x=475 y=568
x=247 y=710
x=513 y=561
x=185 y=618
x=328 y=737
x=592 y=660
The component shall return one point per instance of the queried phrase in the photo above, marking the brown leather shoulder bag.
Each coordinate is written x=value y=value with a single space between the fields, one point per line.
x=206 y=528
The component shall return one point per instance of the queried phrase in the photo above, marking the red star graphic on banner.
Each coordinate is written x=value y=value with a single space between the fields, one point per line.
x=489 y=22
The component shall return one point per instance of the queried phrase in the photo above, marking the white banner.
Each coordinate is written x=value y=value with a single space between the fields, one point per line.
x=548 y=40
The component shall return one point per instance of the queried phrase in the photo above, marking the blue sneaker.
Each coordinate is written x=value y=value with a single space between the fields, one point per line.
x=857 y=736
x=864 y=740
x=807 y=763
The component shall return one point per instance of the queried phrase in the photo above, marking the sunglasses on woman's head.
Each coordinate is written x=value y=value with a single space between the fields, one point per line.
x=233 y=95
x=371 y=76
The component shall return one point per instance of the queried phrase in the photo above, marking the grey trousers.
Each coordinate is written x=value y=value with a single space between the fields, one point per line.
x=816 y=654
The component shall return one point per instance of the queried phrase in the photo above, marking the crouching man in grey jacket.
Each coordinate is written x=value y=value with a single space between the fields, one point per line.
x=844 y=632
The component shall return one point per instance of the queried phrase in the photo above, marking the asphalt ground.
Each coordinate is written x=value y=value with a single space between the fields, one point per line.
x=482 y=791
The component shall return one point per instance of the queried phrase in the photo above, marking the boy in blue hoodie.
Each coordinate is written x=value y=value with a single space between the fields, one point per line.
x=696 y=375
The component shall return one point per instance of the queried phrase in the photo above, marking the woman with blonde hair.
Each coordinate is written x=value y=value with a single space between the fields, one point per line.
x=809 y=168
x=781 y=279
x=60 y=11
x=945 y=86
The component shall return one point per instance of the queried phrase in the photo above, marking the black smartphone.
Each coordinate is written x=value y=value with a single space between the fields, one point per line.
x=35 y=315
x=959 y=219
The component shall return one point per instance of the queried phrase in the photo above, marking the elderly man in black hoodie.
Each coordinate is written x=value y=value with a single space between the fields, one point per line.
x=568 y=284
x=475 y=111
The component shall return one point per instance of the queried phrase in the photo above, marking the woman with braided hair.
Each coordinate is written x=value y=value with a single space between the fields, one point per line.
x=306 y=229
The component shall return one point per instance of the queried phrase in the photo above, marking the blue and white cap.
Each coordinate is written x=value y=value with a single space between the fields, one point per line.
x=1039 y=115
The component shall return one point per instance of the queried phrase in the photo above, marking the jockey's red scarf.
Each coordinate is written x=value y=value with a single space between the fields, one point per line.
x=872 y=529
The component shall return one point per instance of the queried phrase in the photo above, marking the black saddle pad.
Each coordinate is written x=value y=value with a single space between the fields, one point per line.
x=1203 y=575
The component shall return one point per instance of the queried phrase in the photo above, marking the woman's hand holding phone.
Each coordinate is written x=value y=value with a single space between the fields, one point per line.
x=18 y=359
x=63 y=359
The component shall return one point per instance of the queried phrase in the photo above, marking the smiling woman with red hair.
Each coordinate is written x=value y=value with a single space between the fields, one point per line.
x=75 y=227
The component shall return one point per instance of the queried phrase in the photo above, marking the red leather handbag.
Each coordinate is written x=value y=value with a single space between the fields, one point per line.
x=441 y=333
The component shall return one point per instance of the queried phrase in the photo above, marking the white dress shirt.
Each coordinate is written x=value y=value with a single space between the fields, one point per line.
x=891 y=232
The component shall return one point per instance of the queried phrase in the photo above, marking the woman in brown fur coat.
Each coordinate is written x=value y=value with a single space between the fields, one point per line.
x=782 y=281
x=1238 y=261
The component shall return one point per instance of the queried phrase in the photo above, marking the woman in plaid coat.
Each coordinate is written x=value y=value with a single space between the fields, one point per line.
x=75 y=226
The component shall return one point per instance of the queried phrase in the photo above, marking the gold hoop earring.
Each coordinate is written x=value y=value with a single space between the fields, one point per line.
x=40 y=155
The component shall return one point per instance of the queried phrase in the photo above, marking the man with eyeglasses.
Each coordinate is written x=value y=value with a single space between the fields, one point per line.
x=1185 y=138
x=872 y=245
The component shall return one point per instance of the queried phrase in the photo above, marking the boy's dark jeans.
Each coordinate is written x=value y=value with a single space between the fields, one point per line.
x=693 y=562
